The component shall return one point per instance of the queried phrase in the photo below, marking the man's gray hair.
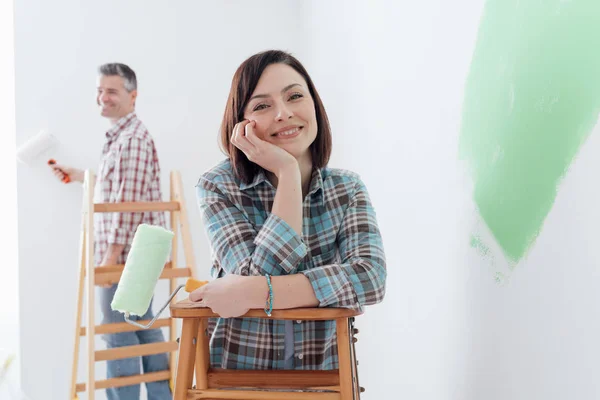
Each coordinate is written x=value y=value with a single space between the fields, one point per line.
x=122 y=70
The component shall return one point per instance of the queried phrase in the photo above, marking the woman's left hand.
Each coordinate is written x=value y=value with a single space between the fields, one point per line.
x=227 y=296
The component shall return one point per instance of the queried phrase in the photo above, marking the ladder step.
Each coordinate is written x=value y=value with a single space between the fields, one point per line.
x=194 y=394
x=103 y=269
x=119 y=268
x=112 y=276
x=125 y=327
x=138 y=350
x=128 y=380
x=137 y=206
x=292 y=379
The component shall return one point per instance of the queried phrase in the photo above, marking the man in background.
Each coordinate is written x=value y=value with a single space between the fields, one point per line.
x=128 y=172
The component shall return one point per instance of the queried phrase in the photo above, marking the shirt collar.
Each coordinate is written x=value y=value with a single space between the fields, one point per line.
x=260 y=177
x=121 y=124
x=316 y=181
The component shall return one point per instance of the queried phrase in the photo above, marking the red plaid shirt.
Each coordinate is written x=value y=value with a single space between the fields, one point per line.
x=129 y=171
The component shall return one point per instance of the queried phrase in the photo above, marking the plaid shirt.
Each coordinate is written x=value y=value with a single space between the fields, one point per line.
x=340 y=252
x=128 y=171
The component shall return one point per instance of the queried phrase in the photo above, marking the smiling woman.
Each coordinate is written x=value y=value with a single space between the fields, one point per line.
x=282 y=225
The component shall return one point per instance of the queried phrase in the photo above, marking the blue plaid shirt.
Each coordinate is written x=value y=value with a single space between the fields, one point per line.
x=340 y=252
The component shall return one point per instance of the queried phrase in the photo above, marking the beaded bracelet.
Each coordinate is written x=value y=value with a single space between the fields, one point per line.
x=269 y=306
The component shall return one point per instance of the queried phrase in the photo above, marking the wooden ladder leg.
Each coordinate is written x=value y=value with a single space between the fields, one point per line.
x=202 y=355
x=186 y=236
x=187 y=357
x=180 y=227
x=344 y=359
x=90 y=275
x=80 y=292
x=354 y=362
x=174 y=222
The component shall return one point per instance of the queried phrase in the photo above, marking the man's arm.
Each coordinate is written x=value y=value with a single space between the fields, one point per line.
x=112 y=254
x=111 y=257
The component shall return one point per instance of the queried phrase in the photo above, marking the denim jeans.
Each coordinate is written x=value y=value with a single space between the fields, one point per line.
x=131 y=366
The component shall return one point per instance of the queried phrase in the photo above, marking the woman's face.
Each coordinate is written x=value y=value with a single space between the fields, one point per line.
x=284 y=110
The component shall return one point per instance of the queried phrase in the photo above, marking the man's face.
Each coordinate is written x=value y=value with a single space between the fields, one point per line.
x=114 y=100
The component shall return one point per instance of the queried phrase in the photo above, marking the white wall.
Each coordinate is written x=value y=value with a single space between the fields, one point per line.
x=391 y=75
x=9 y=283
x=184 y=53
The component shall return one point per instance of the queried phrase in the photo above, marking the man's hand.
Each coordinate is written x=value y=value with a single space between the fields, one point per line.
x=111 y=257
x=60 y=171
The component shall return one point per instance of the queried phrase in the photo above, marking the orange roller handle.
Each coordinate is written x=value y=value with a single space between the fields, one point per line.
x=193 y=284
x=66 y=178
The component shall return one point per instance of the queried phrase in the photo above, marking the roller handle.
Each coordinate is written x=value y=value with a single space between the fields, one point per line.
x=66 y=178
x=193 y=284
x=190 y=285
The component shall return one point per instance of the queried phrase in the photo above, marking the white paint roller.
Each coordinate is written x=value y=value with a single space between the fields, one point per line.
x=33 y=149
x=36 y=148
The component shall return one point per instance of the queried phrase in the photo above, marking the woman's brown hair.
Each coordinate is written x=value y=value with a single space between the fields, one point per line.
x=243 y=84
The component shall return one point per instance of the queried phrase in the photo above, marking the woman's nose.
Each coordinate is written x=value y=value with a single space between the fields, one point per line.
x=283 y=113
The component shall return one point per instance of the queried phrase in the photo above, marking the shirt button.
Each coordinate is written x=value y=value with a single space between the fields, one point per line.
x=300 y=356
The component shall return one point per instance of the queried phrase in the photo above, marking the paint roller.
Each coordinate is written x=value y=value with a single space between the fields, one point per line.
x=5 y=367
x=149 y=252
x=33 y=149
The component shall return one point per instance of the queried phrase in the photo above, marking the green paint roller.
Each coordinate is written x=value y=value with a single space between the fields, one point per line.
x=149 y=252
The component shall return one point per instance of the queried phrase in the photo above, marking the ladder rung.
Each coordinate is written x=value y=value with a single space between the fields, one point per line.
x=137 y=206
x=138 y=350
x=128 y=380
x=291 y=379
x=117 y=268
x=103 y=277
x=125 y=327
x=195 y=394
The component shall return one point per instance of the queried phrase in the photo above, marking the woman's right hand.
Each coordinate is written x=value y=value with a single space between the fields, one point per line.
x=265 y=154
x=75 y=175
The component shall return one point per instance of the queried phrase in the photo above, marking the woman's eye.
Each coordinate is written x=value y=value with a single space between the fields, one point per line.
x=259 y=107
x=296 y=96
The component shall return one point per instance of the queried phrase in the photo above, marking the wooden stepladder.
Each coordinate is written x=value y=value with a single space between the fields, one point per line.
x=231 y=384
x=91 y=276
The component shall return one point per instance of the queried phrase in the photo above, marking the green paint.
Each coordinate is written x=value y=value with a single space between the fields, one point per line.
x=479 y=246
x=500 y=278
x=531 y=99
x=485 y=252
